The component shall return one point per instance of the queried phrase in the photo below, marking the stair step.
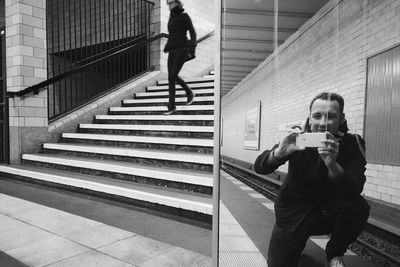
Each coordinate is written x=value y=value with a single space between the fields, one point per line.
x=204 y=146
x=190 y=80
x=139 y=127
x=162 y=119
x=174 y=178
x=157 y=117
x=162 y=108
x=202 y=132
x=142 y=139
x=178 y=100
x=194 y=87
x=178 y=93
x=184 y=201
x=129 y=152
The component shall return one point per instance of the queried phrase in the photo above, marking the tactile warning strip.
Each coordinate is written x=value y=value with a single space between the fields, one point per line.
x=235 y=247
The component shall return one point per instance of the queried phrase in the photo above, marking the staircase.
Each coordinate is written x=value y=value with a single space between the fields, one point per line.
x=136 y=154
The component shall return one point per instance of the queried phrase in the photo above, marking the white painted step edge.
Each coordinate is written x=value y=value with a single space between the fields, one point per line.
x=162 y=174
x=163 y=108
x=191 y=86
x=199 y=79
x=127 y=152
x=142 y=139
x=114 y=190
x=157 y=117
x=149 y=127
x=165 y=100
x=165 y=93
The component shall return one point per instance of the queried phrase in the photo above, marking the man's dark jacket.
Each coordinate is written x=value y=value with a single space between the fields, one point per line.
x=307 y=185
x=179 y=23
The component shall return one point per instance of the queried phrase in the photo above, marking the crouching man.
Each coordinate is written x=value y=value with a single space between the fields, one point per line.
x=321 y=193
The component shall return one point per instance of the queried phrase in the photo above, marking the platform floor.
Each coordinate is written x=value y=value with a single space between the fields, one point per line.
x=246 y=221
x=46 y=227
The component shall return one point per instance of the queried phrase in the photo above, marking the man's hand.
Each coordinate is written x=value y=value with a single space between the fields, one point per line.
x=287 y=145
x=329 y=152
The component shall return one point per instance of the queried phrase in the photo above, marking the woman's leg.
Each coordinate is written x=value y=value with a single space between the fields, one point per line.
x=174 y=67
x=171 y=79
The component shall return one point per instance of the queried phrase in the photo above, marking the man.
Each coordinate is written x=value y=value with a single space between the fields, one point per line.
x=321 y=193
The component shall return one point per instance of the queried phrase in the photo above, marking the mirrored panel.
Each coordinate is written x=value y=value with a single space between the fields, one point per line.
x=309 y=167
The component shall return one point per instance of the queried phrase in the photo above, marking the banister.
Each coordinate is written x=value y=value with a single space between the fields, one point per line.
x=37 y=87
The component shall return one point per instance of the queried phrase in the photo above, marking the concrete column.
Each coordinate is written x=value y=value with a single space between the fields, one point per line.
x=26 y=66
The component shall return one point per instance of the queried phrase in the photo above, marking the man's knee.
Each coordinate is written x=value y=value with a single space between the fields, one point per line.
x=359 y=207
x=353 y=214
x=284 y=248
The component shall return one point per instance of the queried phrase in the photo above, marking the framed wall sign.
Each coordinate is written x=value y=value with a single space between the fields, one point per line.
x=252 y=128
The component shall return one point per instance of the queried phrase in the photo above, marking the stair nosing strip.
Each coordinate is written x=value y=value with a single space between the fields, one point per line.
x=165 y=100
x=145 y=139
x=163 y=93
x=146 y=172
x=184 y=157
x=156 y=117
x=201 y=207
x=150 y=127
x=164 y=108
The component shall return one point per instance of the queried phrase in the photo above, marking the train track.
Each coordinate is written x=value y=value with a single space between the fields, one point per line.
x=362 y=245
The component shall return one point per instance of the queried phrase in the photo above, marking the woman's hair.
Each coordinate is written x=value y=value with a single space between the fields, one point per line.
x=179 y=2
x=343 y=128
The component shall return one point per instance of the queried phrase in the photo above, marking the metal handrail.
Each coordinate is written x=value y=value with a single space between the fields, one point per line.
x=37 y=87
x=107 y=52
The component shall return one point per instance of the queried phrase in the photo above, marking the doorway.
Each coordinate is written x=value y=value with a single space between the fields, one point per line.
x=4 y=151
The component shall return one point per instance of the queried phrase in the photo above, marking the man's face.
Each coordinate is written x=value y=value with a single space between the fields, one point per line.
x=325 y=116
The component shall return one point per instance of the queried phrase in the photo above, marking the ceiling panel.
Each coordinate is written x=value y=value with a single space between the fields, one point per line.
x=247 y=36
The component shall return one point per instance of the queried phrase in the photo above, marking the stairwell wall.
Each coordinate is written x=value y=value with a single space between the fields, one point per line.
x=202 y=15
x=27 y=65
x=313 y=60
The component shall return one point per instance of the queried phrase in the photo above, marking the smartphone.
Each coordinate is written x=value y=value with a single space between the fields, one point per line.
x=310 y=139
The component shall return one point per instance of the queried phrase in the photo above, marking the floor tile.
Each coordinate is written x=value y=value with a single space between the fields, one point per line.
x=7 y=223
x=47 y=251
x=237 y=243
x=136 y=250
x=90 y=259
x=178 y=257
x=98 y=235
x=63 y=226
x=21 y=237
x=231 y=229
x=37 y=217
x=13 y=206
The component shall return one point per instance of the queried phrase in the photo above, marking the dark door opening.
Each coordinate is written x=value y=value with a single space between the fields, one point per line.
x=4 y=151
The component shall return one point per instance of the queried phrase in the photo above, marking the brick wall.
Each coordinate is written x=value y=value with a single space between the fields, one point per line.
x=26 y=60
x=328 y=53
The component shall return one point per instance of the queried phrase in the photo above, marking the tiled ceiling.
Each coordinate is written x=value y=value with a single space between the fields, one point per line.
x=248 y=33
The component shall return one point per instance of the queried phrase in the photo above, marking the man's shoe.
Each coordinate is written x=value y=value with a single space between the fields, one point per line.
x=336 y=262
x=190 y=99
x=170 y=111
